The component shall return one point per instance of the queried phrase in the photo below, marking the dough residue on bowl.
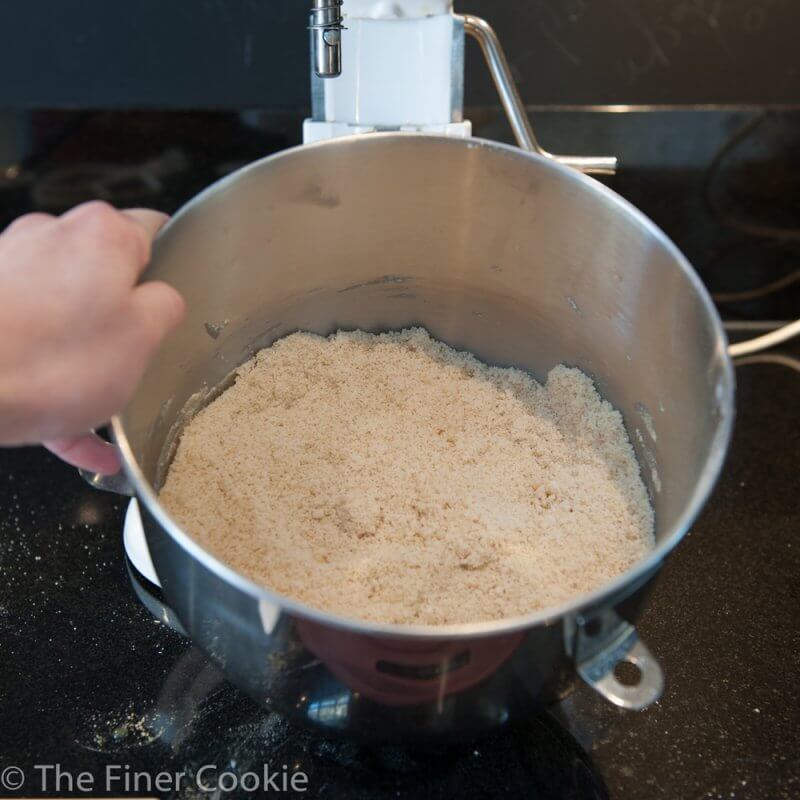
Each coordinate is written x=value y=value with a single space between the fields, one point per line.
x=391 y=478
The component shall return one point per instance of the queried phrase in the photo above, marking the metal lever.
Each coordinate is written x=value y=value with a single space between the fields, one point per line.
x=597 y=646
x=484 y=34
x=326 y=27
x=116 y=484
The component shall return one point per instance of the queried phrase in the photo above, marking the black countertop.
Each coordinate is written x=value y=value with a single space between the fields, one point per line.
x=88 y=678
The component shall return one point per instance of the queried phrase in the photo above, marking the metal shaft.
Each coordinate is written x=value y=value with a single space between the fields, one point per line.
x=482 y=32
x=326 y=27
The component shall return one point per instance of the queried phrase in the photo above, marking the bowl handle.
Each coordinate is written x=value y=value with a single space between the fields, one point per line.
x=598 y=644
x=118 y=483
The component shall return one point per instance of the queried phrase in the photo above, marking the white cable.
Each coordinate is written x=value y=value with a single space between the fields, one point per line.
x=770 y=358
x=766 y=341
x=759 y=291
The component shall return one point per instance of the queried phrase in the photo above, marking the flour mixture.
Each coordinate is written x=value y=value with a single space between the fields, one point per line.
x=391 y=478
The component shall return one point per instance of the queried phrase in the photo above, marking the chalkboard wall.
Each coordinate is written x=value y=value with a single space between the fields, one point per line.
x=253 y=53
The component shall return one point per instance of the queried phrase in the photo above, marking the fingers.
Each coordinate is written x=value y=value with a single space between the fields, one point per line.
x=160 y=309
x=128 y=233
x=148 y=223
x=28 y=222
x=151 y=221
x=87 y=451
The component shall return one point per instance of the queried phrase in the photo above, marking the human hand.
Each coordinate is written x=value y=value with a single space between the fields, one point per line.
x=76 y=331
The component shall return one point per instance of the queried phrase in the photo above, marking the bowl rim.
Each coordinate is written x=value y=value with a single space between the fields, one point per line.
x=618 y=587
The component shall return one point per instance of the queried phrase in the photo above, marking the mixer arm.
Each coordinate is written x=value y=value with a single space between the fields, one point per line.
x=484 y=34
x=352 y=106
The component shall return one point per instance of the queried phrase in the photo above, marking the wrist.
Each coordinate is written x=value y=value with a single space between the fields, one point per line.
x=20 y=407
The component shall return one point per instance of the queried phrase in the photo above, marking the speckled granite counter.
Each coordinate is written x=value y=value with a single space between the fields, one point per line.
x=90 y=679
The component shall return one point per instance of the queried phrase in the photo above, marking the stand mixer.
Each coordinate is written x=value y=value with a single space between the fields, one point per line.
x=404 y=70
x=506 y=252
x=380 y=65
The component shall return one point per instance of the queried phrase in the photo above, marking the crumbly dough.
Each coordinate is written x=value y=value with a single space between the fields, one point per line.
x=391 y=478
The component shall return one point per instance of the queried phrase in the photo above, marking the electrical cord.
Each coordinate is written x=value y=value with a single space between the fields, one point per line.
x=759 y=291
x=770 y=358
x=772 y=232
x=766 y=341
x=757 y=230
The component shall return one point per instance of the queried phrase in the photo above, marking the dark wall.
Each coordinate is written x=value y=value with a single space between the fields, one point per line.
x=237 y=53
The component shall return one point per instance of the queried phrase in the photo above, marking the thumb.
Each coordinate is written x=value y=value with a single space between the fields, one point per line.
x=151 y=221
x=159 y=308
x=87 y=451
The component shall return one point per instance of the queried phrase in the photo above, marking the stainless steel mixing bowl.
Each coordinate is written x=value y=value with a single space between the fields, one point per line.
x=523 y=262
